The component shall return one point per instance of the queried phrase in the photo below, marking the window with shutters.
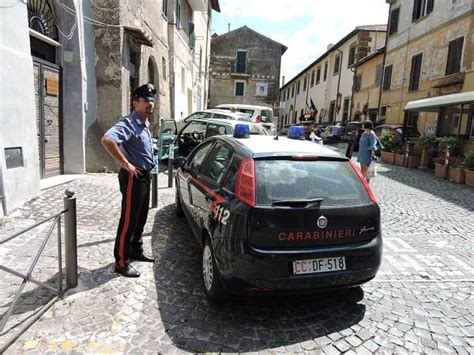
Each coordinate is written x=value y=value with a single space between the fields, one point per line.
x=325 y=71
x=378 y=74
x=453 y=65
x=177 y=14
x=241 y=62
x=421 y=8
x=298 y=87
x=387 y=77
x=357 y=82
x=336 y=64
x=415 y=72
x=393 y=22
x=239 y=88
x=191 y=36
x=164 y=9
x=352 y=51
x=345 y=109
x=304 y=83
x=312 y=78
x=318 y=75
x=293 y=90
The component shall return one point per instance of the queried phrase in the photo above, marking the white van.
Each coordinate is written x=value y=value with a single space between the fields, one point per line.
x=259 y=114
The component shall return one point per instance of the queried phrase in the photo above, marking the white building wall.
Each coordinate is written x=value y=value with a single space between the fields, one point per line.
x=326 y=91
x=17 y=109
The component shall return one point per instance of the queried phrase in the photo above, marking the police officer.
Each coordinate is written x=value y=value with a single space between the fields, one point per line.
x=129 y=142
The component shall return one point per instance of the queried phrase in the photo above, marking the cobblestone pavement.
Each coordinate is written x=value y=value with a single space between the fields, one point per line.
x=420 y=301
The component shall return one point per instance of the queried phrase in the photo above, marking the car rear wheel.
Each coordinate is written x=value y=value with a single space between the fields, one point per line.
x=177 y=202
x=211 y=279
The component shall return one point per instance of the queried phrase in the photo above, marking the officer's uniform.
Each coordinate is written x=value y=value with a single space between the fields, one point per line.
x=135 y=141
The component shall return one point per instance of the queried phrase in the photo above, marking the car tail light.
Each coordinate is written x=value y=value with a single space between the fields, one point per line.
x=245 y=186
x=258 y=119
x=363 y=181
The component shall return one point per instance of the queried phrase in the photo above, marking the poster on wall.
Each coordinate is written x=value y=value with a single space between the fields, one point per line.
x=261 y=89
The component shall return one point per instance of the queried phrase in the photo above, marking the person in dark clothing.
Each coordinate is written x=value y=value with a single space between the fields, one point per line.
x=129 y=142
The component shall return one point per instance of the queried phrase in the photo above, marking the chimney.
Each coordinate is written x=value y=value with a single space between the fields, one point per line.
x=228 y=27
x=283 y=80
x=330 y=45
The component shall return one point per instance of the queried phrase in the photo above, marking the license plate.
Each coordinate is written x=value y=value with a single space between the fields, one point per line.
x=312 y=266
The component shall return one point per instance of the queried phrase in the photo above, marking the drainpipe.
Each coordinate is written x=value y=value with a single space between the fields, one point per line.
x=338 y=84
x=383 y=65
x=208 y=61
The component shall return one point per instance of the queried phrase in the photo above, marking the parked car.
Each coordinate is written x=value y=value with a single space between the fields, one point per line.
x=216 y=113
x=258 y=114
x=193 y=132
x=278 y=215
x=397 y=129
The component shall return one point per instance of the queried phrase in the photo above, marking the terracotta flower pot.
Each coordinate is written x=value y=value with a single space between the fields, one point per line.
x=413 y=161
x=469 y=177
x=456 y=175
x=399 y=159
x=440 y=170
x=388 y=157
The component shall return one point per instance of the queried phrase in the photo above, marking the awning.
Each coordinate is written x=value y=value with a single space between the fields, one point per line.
x=432 y=104
x=139 y=35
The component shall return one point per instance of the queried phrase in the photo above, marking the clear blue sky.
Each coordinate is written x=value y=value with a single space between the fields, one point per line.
x=306 y=27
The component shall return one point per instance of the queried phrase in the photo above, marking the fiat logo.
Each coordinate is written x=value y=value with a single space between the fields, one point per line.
x=322 y=222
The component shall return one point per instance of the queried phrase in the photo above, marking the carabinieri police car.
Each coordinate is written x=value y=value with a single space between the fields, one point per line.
x=277 y=214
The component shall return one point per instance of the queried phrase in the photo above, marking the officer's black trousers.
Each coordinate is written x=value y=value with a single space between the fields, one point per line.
x=135 y=201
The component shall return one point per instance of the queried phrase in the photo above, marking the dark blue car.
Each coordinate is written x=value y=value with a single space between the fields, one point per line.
x=277 y=214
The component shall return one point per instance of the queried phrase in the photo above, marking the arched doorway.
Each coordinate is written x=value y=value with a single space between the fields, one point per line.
x=152 y=74
x=47 y=81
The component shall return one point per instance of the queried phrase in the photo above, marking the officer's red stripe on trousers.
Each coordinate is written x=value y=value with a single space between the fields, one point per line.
x=128 y=209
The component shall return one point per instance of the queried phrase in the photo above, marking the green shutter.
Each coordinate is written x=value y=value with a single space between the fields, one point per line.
x=241 y=62
x=191 y=35
x=239 y=89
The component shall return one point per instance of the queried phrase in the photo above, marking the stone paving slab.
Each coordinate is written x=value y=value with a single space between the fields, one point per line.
x=420 y=302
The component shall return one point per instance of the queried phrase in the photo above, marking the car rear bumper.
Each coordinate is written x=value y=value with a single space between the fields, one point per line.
x=247 y=269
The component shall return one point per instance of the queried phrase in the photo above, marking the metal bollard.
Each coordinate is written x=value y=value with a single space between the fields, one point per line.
x=70 y=238
x=407 y=153
x=446 y=162
x=154 y=190
x=170 y=165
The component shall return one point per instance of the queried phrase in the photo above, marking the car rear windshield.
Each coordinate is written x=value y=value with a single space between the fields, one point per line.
x=295 y=180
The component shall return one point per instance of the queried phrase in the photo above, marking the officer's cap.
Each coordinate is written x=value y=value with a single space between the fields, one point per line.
x=146 y=91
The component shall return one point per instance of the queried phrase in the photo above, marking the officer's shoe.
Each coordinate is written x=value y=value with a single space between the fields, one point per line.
x=142 y=257
x=127 y=271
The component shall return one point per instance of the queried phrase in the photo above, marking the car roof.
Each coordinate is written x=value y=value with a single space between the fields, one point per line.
x=259 y=146
x=244 y=106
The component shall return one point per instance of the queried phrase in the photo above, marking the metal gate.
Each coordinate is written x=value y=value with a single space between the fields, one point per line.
x=48 y=98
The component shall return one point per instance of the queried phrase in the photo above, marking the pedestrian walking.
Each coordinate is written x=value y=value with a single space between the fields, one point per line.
x=129 y=142
x=367 y=148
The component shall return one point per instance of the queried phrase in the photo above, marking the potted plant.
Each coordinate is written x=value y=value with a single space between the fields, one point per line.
x=456 y=171
x=426 y=143
x=389 y=142
x=440 y=166
x=469 y=168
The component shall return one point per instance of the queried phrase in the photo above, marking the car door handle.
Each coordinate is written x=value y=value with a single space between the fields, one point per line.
x=209 y=197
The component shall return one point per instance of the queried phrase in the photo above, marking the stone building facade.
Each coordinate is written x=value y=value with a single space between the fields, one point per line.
x=72 y=66
x=429 y=54
x=245 y=68
x=366 y=88
x=329 y=79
